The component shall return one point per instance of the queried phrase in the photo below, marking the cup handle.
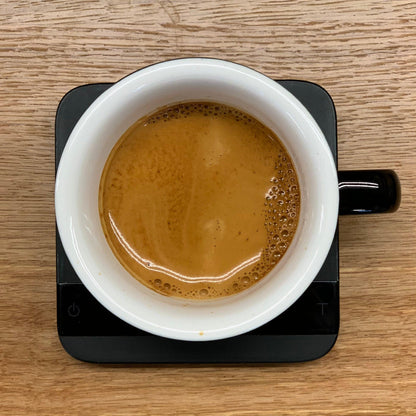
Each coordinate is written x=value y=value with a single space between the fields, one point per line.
x=368 y=191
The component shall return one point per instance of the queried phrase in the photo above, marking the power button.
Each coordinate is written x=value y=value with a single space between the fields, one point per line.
x=73 y=310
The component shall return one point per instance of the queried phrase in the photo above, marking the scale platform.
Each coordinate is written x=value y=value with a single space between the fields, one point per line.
x=89 y=332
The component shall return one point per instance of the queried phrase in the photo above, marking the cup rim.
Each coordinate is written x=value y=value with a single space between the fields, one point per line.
x=105 y=298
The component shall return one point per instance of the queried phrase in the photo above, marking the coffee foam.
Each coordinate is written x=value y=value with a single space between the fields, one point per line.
x=191 y=194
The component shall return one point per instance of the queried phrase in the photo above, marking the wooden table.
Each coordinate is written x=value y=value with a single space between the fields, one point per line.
x=362 y=52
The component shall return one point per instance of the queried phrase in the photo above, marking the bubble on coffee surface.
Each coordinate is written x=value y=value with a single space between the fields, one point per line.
x=213 y=110
x=277 y=214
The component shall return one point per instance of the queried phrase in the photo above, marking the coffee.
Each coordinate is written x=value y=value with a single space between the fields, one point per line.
x=199 y=200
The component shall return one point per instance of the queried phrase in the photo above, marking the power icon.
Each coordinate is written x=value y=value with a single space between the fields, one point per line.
x=73 y=310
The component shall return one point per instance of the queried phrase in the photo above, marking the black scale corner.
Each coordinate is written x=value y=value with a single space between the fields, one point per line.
x=89 y=332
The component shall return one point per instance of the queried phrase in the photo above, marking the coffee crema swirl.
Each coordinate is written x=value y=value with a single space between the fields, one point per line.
x=199 y=200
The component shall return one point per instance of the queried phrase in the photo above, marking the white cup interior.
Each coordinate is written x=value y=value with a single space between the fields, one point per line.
x=99 y=129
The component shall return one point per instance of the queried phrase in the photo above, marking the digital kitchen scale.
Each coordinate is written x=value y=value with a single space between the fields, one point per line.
x=89 y=332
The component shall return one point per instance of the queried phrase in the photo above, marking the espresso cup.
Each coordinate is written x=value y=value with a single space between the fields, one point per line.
x=200 y=79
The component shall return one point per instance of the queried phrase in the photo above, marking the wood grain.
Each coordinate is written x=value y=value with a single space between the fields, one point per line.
x=363 y=52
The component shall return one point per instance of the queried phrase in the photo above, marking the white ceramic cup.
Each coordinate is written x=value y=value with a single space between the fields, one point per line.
x=82 y=162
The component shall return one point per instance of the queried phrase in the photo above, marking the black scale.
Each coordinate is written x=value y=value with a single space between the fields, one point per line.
x=306 y=331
